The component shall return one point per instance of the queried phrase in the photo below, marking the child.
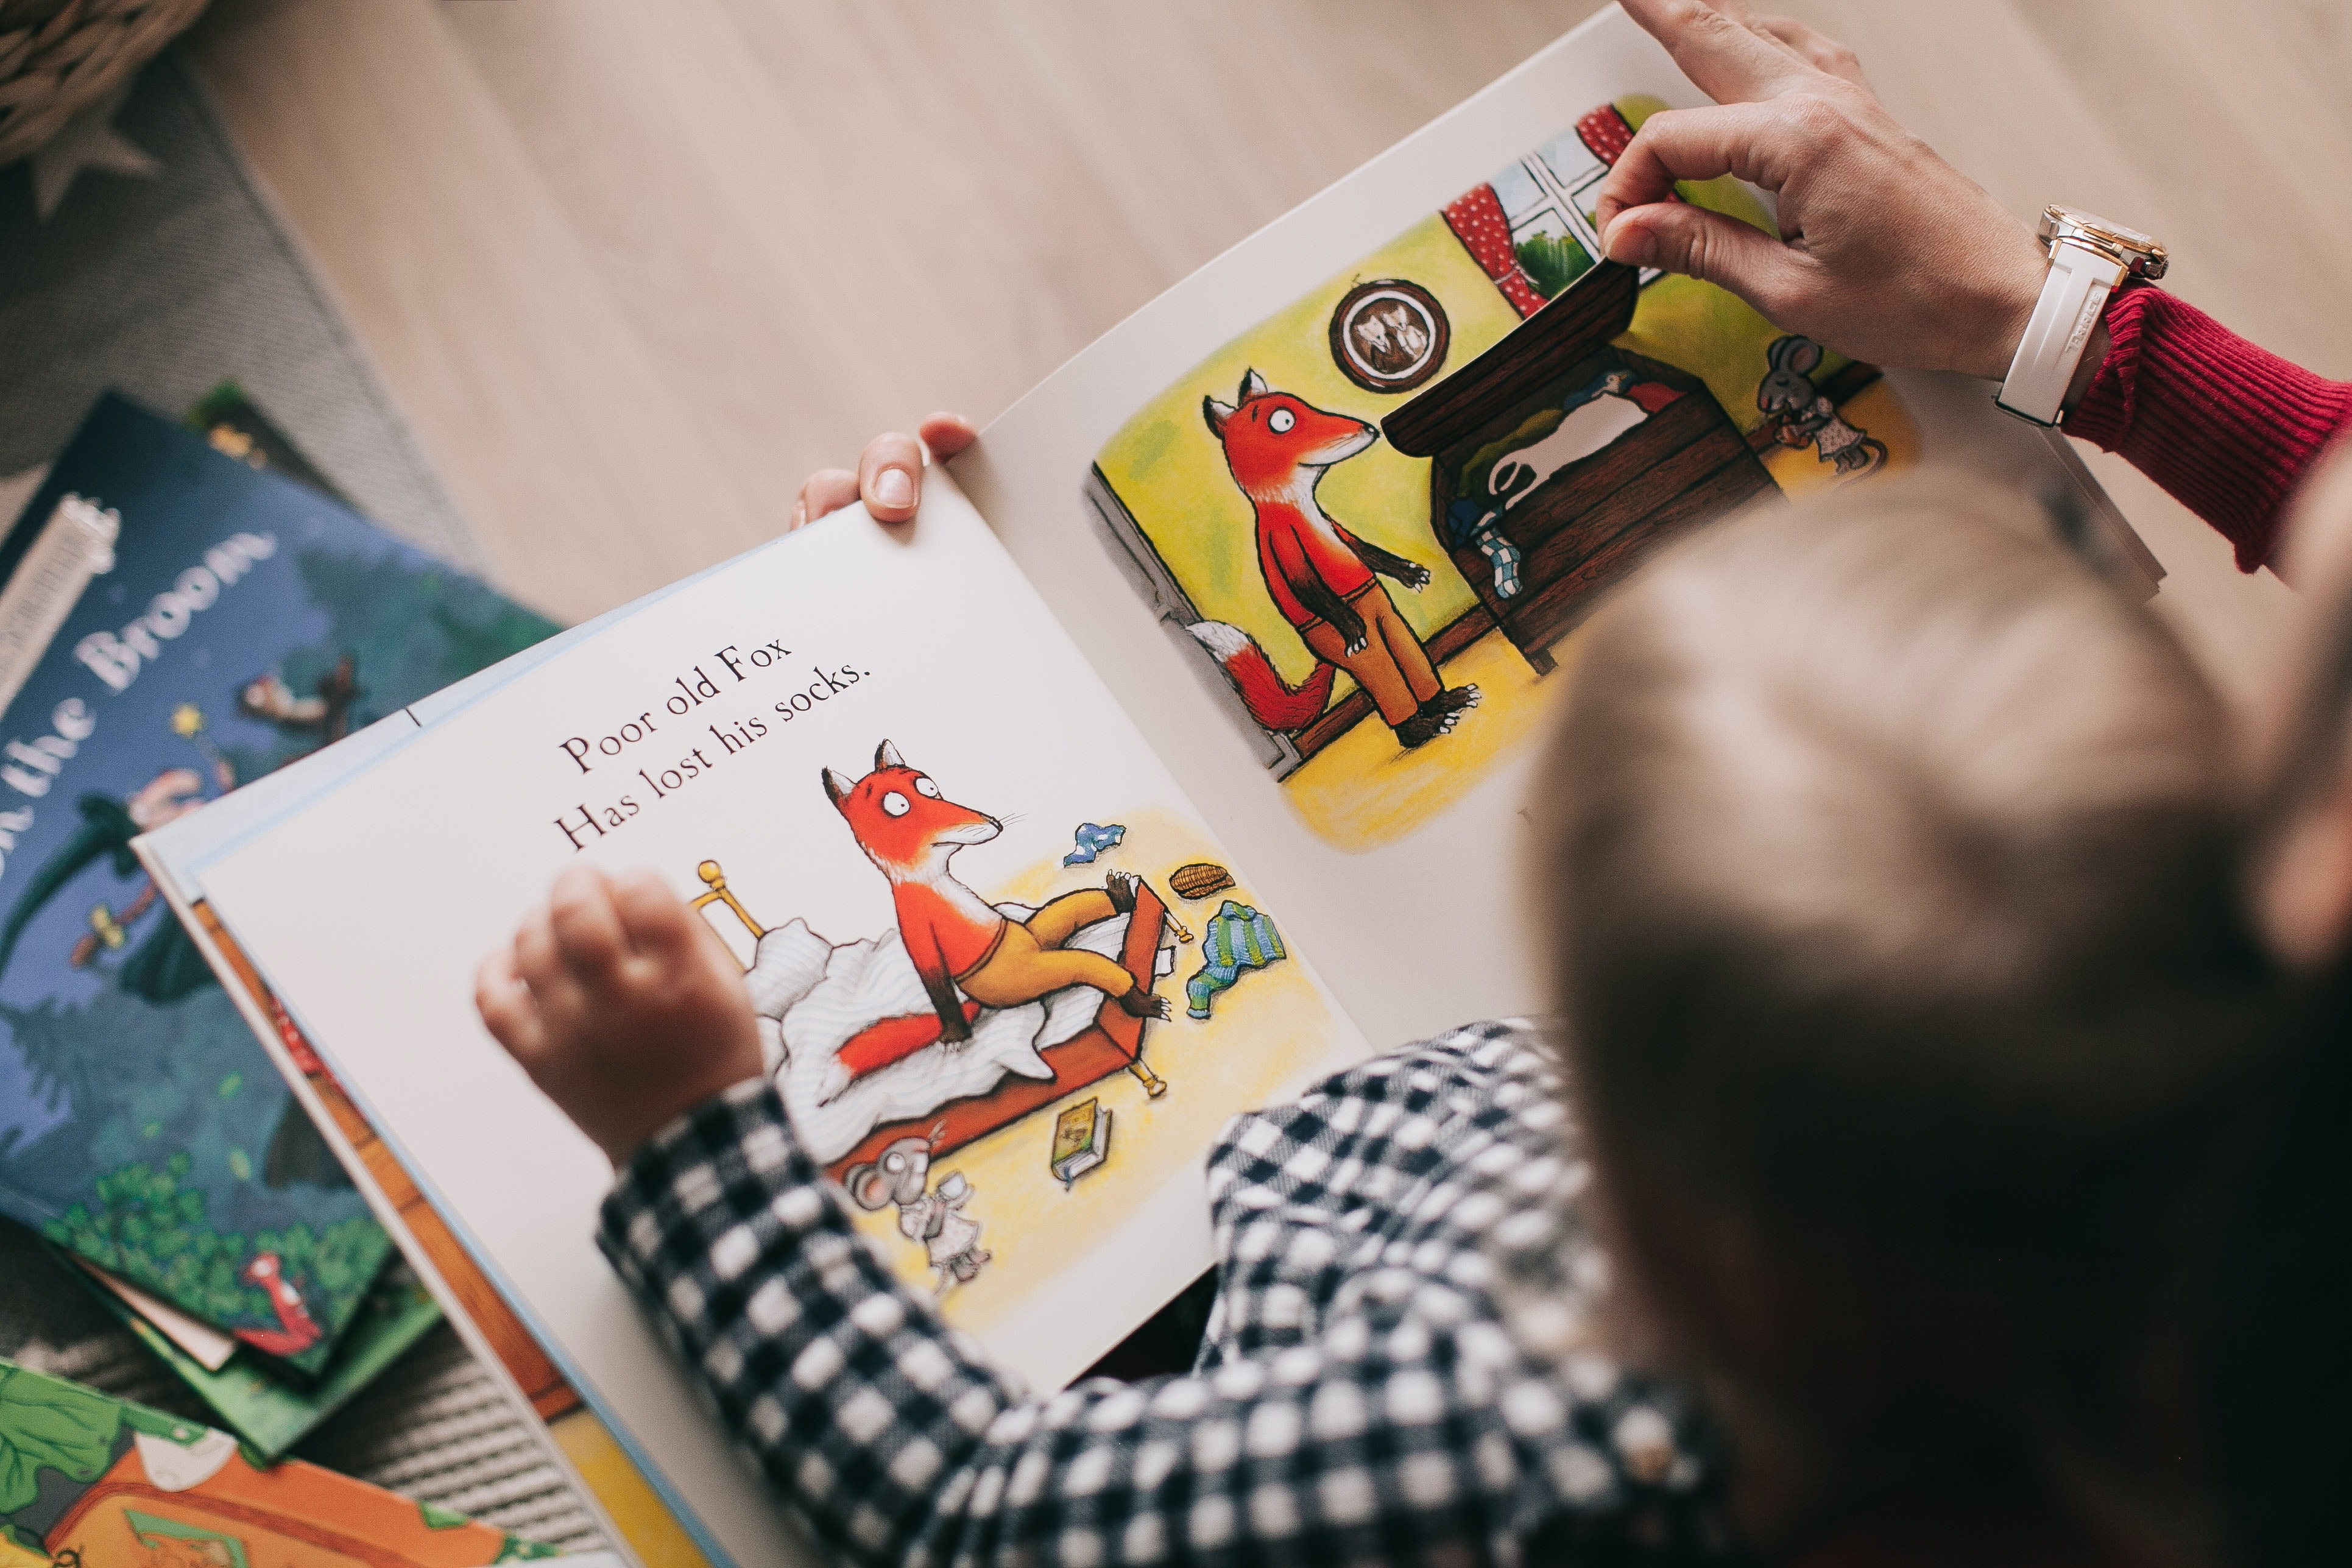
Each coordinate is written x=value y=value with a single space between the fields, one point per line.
x=1864 y=832
x=1890 y=887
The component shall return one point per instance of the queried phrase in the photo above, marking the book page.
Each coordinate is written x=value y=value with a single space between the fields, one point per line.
x=1326 y=515
x=770 y=738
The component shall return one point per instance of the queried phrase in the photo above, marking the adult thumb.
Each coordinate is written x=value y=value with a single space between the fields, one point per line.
x=1676 y=237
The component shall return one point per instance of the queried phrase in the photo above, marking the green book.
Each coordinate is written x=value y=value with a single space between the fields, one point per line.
x=271 y=1414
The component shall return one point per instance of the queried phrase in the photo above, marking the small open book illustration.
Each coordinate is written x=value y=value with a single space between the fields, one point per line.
x=1170 y=759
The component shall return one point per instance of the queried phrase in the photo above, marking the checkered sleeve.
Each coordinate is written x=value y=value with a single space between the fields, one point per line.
x=1389 y=1438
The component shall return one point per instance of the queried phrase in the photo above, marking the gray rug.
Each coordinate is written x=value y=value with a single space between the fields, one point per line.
x=163 y=286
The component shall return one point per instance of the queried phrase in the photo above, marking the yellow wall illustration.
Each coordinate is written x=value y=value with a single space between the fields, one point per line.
x=1171 y=471
x=1360 y=788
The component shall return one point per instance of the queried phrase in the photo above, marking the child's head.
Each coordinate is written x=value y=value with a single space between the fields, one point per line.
x=1885 y=856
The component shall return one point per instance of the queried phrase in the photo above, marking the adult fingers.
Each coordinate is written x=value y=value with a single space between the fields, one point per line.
x=946 y=434
x=1819 y=51
x=507 y=1009
x=1715 y=249
x=1756 y=141
x=827 y=490
x=1729 y=61
x=890 y=477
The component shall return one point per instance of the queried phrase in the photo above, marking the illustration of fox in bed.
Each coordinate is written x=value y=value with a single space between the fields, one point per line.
x=1324 y=580
x=955 y=937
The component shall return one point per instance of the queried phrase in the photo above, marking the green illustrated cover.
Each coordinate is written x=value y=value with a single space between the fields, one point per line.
x=270 y=1413
x=237 y=621
x=85 y=1478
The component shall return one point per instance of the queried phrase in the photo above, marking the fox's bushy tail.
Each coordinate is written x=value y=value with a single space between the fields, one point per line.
x=879 y=1045
x=1271 y=700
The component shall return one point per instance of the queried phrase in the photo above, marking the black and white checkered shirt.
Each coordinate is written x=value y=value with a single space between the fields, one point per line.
x=1391 y=1249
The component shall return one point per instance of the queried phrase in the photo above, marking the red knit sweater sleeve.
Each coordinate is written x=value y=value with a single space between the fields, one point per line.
x=2227 y=428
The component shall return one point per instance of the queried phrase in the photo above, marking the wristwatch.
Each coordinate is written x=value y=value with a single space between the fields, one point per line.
x=2089 y=259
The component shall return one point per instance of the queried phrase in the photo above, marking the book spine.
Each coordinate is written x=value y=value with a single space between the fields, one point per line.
x=75 y=545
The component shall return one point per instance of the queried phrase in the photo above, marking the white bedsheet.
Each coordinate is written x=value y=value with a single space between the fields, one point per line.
x=814 y=998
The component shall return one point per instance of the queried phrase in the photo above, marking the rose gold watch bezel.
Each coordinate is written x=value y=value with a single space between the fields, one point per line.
x=2143 y=254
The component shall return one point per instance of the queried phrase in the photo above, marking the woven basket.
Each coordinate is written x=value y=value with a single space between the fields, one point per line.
x=58 y=57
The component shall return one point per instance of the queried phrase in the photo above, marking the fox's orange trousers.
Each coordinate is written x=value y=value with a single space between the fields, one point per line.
x=1392 y=665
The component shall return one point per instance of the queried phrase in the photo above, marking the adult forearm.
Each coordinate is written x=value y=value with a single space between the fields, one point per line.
x=2228 y=428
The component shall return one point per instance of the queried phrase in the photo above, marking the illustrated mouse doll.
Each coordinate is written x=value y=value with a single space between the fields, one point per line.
x=1807 y=418
x=901 y=1176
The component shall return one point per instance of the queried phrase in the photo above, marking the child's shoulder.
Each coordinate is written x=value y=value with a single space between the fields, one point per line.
x=1507 y=1058
x=1489 y=1092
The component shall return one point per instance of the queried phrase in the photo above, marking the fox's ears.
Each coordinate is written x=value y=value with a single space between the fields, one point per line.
x=837 y=788
x=1216 y=413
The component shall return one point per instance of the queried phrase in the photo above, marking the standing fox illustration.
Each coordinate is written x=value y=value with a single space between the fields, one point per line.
x=955 y=937
x=1321 y=577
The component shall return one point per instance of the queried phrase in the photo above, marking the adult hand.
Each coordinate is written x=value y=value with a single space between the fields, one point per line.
x=1886 y=253
x=889 y=478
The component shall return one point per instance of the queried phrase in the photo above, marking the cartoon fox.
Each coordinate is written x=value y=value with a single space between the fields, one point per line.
x=955 y=937
x=1321 y=577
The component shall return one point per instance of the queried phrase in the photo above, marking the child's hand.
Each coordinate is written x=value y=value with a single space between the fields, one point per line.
x=889 y=477
x=624 y=1007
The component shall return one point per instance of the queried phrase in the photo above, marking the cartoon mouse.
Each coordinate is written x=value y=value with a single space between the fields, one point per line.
x=1807 y=418
x=899 y=1175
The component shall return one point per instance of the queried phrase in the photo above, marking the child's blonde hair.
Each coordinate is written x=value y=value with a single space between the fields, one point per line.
x=1887 y=855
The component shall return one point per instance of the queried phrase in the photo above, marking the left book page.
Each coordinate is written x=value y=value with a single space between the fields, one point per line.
x=707 y=733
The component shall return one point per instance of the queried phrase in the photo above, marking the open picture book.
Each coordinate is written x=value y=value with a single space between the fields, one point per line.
x=1172 y=758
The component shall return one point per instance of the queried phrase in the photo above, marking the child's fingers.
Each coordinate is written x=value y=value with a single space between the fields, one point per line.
x=946 y=434
x=507 y=1009
x=586 y=928
x=890 y=477
x=827 y=490
x=653 y=921
x=540 y=964
x=536 y=957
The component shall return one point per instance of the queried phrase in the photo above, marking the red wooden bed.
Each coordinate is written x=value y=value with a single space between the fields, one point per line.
x=1112 y=1044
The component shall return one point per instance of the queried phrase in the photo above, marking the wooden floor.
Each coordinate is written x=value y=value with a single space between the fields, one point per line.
x=633 y=268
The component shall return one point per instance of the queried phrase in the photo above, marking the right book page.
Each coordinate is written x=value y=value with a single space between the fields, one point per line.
x=1328 y=515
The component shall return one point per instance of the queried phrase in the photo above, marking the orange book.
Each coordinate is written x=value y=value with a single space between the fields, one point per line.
x=98 y=1481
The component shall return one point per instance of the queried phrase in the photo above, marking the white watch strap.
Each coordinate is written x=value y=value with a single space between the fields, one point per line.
x=2072 y=300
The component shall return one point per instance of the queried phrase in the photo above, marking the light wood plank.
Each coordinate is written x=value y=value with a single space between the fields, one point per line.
x=494 y=325
x=635 y=269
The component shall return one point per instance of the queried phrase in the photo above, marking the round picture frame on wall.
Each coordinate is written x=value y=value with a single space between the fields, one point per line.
x=1390 y=335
